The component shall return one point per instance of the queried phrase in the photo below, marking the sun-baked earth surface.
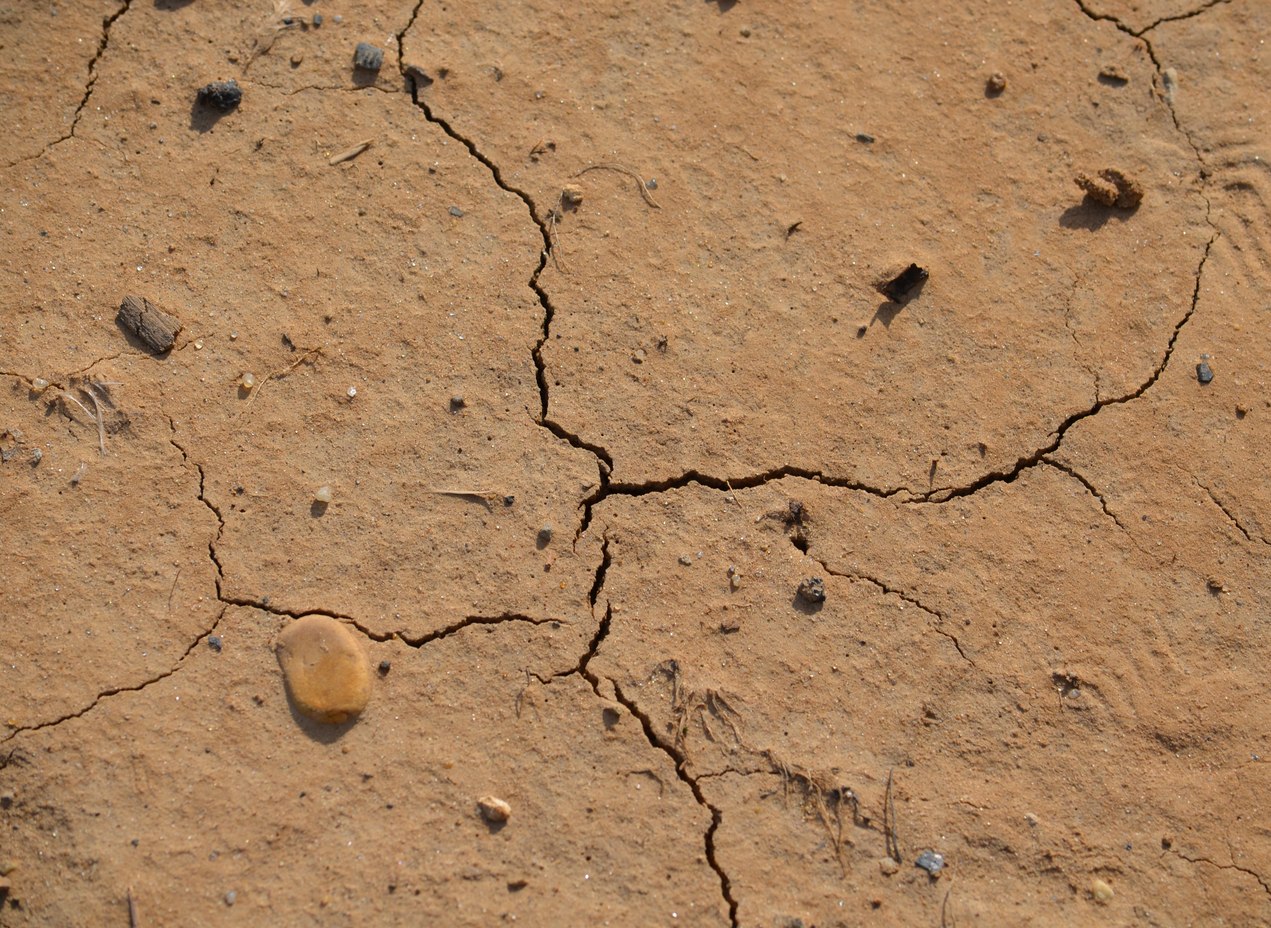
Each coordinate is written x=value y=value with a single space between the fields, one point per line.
x=583 y=455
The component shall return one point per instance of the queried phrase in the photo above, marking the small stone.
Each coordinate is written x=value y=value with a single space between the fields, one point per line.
x=1101 y=891
x=571 y=196
x=367 y=57
x=231 y=897
x=901 y=287
x=296 y=59
x=215 y=643
x=494 y=809
x=887 y=866
x=686 y=560
x=930 y=861
x=324 y=668
x=7 y=798
x=384 y=668
x=221 y=95
x=509 y=500
x=317 y=20
x=735 y=581
x=1204 y=373
x=323 y=495
x=155 y=328
x=995 y=84
x=545 y=535
x=456 y=212
x=1113 y=75
x=651 y=184
x=864 y=138
x=812 y=590
x=457 y=402
x=638 y=356
x=7 y=867
x=36 y=457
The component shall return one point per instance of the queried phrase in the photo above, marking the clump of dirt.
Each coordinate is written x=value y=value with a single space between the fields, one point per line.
x=1112 y=188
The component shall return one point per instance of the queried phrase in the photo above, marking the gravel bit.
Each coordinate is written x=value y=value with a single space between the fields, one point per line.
x=367 y=57
x=812 y=590
x=1204 y=373
x=221 y=95
x=930 y=861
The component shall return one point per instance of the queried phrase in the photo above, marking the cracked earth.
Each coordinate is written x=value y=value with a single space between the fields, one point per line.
x=583 y=457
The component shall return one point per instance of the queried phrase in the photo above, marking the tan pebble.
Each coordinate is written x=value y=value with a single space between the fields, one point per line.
x=494 y=809
x=327 y=674
x=323 y=494
x=887 y=866
x=571 y=195
x=1101 y=891
x=7 y=867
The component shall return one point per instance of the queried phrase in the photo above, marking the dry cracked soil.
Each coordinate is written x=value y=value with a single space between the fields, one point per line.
x=575 y=311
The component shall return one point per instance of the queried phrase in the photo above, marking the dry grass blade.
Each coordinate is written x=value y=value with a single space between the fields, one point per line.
x=350 y=153
x=308 y=355
x=623 y=169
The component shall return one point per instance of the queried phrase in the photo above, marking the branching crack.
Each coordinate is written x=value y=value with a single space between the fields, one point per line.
x=1138 y=34
x=1090 y=488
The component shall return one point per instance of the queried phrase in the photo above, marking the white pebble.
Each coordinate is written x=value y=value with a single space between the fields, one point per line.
x=352 y=392
x=323 y=494
x=247 y=381
x=494 y=809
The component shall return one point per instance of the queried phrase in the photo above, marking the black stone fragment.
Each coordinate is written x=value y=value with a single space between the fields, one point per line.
x=1204 y=373
x=221 y=95
x=384 y=668
x=367 y=57
x=812 y=590
x=214 y=642
x=900 y=287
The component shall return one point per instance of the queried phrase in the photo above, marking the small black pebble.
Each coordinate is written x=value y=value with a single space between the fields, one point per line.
x=214 y=642
x=812 y=590
x=1204 y=373
x=287 y=20
x=221 y=95
x=509 y=500
x=457 y=402
x=456 y=212
x=899 y=287
x=385 y=667
x=317 y=19
x=367 y=57
x=865 y=137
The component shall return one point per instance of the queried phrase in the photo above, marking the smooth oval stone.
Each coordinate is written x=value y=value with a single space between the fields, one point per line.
x=327 y=674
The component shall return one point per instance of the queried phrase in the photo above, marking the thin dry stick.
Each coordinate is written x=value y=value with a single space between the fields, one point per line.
x=485 y=497
x=132 y=910
x=889 y=822
x=946 y=916
x=622 y=169
x=350 y=153
x=278 y=375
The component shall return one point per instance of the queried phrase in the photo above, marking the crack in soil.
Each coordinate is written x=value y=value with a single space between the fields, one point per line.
x=1190 y=14
x=116 y=690
x=1249 y=536
x=1090 y=488
x=1266 y=886
x=107 y=22
x=887 y=590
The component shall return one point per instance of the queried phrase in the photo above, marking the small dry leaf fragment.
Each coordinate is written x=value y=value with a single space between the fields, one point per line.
x=1112 y=188
x=494 y=809
x=326 y=672
x=157 y=329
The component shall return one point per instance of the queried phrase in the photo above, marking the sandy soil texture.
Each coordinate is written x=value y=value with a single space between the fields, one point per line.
x=704 y=574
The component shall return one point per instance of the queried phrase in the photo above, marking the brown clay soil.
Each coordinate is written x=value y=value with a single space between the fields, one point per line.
x=584 y=454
